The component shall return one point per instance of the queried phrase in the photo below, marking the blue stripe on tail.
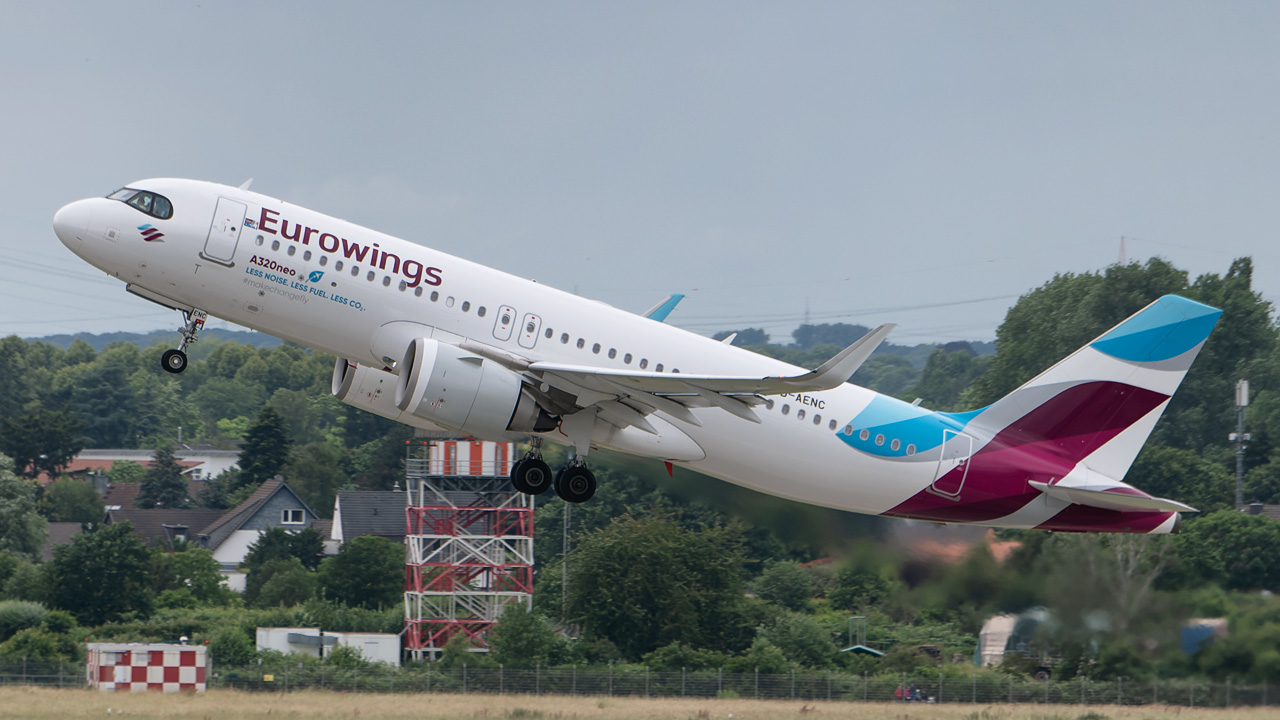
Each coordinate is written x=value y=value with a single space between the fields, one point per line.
x=1168 y=328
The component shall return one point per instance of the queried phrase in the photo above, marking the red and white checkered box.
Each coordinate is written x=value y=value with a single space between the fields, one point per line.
x=129 y=667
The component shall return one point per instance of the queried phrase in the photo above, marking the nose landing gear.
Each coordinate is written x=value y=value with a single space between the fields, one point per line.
x=175 y=361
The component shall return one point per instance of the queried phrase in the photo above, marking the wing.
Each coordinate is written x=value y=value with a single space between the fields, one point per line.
x=625 y=397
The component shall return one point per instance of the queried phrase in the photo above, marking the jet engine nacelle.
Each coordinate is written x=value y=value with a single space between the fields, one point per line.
x=373 y=390
x=443 y=384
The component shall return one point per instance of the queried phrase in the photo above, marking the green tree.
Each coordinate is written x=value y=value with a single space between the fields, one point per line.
x=126 y=471
x=945 y=377
x=41 y=440
x=367 y=572
x=841 y=335
x=277 y=543
x=69 y=500
x=888 y=374
x=269 y=554
x=18 y=615
x=784 y=584
x=280 y=583
x=522 y=638
x=27 y=581
x=678 y=656
x=231 y=646
x=101 y=395
x=644 y=582
x=864 y=579
x=316 y=472
x=266 y=448
x=1182 y=475
x=763 y=656
x=101 y=575
x=16 y=389
x=1234 y=550
x=22 y=530
x=801 y=639
x=196 y=571
x=458 y=652
x=163 y=485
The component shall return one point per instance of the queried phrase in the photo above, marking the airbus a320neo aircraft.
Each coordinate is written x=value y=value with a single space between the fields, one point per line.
x=432 y=340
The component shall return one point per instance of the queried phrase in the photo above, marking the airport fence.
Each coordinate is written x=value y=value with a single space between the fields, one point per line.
x=632 y=681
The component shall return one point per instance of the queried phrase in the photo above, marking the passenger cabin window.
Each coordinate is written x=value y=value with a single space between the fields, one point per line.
x=157 y=206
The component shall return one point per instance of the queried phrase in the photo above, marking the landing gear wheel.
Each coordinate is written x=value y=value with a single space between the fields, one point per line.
x=174 y=361
x=575 y=484
x=531 y=476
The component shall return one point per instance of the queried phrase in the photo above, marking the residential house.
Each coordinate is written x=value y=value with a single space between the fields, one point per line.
x=359 y=512
x=274 y=504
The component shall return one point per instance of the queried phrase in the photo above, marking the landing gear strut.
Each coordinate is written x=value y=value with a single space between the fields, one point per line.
x=175 y=361
x=575 y=483
x=531 y=475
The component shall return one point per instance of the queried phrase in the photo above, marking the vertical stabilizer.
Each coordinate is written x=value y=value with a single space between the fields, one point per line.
x=1103 y=400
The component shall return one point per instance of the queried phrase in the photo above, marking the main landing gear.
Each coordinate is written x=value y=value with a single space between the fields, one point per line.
x=175 y=361
x=532 y=476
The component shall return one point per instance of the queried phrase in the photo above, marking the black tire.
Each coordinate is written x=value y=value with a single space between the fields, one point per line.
x=517 y=478
x=531 y=476
x=575 y=484
x=174 y=361
x=1042 y=675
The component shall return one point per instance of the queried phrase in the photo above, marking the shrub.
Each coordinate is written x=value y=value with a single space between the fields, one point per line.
x=230 y=646
x=16 y=615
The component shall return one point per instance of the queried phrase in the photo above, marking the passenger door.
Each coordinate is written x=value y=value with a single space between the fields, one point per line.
x=224 y=232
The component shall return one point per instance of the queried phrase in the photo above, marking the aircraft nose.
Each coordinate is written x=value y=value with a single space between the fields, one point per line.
x=71 y=222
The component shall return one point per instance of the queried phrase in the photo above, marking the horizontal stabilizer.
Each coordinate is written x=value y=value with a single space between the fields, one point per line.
x=1122 y=498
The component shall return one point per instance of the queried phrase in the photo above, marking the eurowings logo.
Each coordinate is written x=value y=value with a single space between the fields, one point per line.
x=151 y=234
x=315 y=275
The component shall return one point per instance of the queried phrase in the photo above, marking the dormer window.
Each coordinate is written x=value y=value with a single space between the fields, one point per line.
x=291 y=517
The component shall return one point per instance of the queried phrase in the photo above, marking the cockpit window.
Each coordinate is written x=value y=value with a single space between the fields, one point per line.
x=157 y=206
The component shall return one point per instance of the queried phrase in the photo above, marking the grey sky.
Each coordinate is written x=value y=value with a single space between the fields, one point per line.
x=923 y=163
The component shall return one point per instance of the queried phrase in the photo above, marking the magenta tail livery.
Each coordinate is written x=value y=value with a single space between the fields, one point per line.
x=433 y=340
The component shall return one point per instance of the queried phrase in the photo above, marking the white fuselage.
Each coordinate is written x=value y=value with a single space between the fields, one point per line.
x=368 y=311
x=367 y=297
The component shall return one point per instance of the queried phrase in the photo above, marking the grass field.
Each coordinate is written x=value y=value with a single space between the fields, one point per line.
x=35 y=703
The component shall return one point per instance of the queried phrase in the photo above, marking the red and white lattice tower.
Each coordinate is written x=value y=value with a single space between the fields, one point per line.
x=469 y=543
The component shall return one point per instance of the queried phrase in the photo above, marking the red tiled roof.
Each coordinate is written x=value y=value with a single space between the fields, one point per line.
x=77 y=466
